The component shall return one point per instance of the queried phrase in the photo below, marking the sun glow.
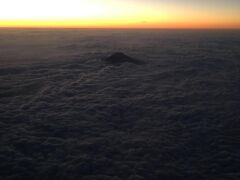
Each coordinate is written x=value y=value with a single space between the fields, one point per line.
x=108 y=13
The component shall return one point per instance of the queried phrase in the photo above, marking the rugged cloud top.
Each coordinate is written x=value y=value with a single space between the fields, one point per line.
x=177 y=117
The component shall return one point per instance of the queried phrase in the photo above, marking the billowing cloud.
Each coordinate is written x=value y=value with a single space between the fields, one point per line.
x=65 y=114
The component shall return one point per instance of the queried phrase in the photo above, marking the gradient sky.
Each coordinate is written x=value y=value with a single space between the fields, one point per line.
x=121 y=13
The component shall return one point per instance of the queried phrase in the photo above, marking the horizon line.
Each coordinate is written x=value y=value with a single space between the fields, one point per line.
x=128 y=28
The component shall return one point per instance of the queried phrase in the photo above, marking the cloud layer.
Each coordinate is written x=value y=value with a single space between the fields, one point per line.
x=68 y=115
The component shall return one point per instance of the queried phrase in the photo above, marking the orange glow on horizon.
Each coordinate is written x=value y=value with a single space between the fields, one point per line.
x=112 y=14
x=157 y=25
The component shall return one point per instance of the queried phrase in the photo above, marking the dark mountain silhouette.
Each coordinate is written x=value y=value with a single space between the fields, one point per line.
x=119 y=58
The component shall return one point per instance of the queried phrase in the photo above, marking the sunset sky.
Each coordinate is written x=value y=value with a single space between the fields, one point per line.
x=121 y=13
